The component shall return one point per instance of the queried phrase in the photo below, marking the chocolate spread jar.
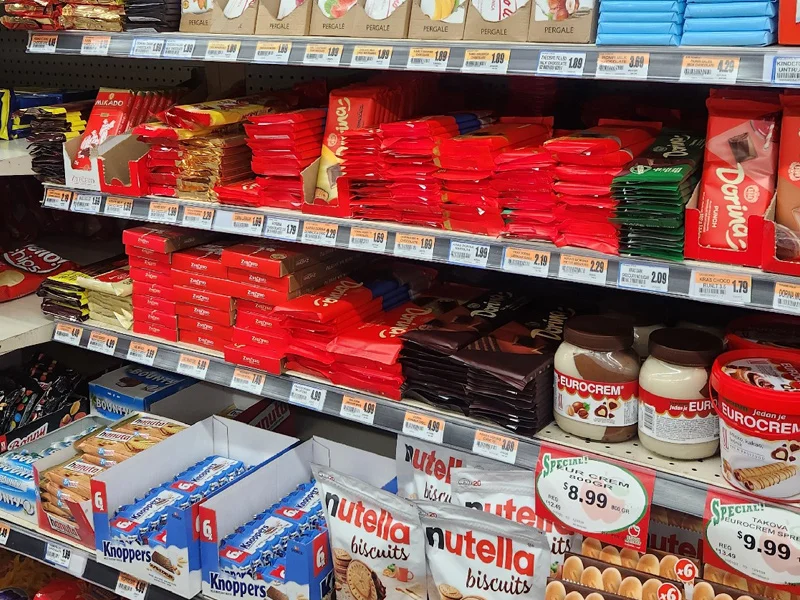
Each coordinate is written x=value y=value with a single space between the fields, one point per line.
x=597 y=379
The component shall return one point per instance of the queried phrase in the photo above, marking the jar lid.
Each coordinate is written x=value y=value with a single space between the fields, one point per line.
x=685 y=347
x=764 y=331
x=598 y=332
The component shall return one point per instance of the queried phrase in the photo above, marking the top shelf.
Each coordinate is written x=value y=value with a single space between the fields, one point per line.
x=777 y=66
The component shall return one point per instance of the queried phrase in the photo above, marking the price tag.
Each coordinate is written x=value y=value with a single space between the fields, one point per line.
x=87 y=203
x=95 y=45
x=728 y=289
x=68 y=334
x=130 y=587
x=198 y=218
x=786 y=297
x=163 y=212
x=308 y=396
x=643 y=277
x=428 y=59
x=786 y=70
x=43 y=43
x=496 y=446
x=102 y=343
x=58 y=199
x=57 y=554
x=179 y=48
x=373 y=240
x=486 y=61
x=410 y=245
x=5 y=531
x=193 y=366
x=373 y=57
x=605 y=499
x=465 y=253
x=328 y=55
x=142 y=353
x=118 y=207
x=358 y=409
x=709 y=69
x=223 y=50
x=282 y=229
x=248 y=381
x=756 y=539
x=273 y=52
x=147 y=48
x=526 y=261
x=620 y=65
x=321 y=234
x=570 y=64
x=423 y=427
x=247 y=224
x=583 y=268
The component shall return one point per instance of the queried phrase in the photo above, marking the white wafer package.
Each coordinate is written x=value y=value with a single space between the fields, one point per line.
x=376 y=539
x=511 y=495
x=476 y=555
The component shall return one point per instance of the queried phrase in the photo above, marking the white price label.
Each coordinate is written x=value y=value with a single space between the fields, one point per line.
x=373 y=240
x=358 y=409
x=526 y=261
x=727 y=289
x=95 y=45
x=786 y=297
x=179 y=48
x=496 y=446
x=248 y=381
x=471 y=255
x=43 y=43
x=68 y=334
x=147 y=48
x=569 y=64
x=583 y=268
x=786 y=70
x=621 y=65
x=709 y=69
x=247 y=224
x=193 y=366
x=428 y=59
x=197 y=217
x=163 y=212
x=273 y=52
x=58 y=199
x=642 y=277
x=321 y=234
x=373 y=57
x=103 y=343
x=308 y=396
x=486 y=61
x=328 y=55
x=223 y=50
x=142 y=353
x=87 y=203
x=410 y=245
x=57 y=554
x=118 y=207
x=424 y=427
x=5 y=531
x=130 y=587
x=282 y=229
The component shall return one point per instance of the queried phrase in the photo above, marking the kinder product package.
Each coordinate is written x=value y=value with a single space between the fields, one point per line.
x=473 y=555
x=511 y=495
x=376 y=539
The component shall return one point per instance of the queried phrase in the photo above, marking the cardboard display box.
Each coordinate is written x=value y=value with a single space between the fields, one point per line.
x=560 y=21
x=44 y=425
x=219 y=16
x=283 y=17
x=485 y=21
x=121 y=167
x=76 y=178
x=364 y=19
x=433 y=20
x=133 y=388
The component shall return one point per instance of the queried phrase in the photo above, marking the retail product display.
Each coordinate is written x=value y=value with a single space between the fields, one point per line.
x=23 y=269
x=646 y=23
x=50 y=127
x=723 y=23
x=133 y=388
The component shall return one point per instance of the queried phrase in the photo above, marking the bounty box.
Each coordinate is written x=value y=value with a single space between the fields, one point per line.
x=133 y=388
x=171 y=559
x=308 y=571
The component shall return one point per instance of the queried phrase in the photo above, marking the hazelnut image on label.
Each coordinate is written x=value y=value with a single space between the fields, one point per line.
x=572 y=569
x=703 y=591
x=555 y=591
x=667 y=567
x=592 y=578
x=630 y=588
x=650 y=589
x=610 y=555
x=629 y=558
x=649 y=564
x=611 y=580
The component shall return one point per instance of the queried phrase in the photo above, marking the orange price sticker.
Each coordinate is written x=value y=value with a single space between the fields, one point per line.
x=142 y=353
x=786 y=297
x=709 y=69
x=358 y=409
x=526 y=261
x=59 y=199
x=410 y=245
x=247 y=223
x=68 y=334
x=5 y=531
x=95 y=45
x=193 y=366
x=725 y=289
x=321 y=234
x=496 y=446
x=118 y=207
x=163 y=212
x=583 y=268
x=43 y=43
x=197 y=217
x=247 y=381
x=622 y=65
x=103 y=343
x=424 y=427
x=373 y=240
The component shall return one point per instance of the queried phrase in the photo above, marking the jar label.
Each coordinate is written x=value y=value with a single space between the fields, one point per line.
x=677 y=421
x=765 y=373
x=596 y=402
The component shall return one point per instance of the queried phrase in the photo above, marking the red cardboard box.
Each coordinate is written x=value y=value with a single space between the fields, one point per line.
x=272 y=259
x=257 y=321
x=148 y=253
x=159 y=331
x=151 y=277
x=142 y=288
x=274 y=341
x=164 y=238
x=220 y=317
x=205 y=259
x=204 y=340
x=153 y=316
x=214 y=329
x=153 y=303
x=149 y=264
x=205 y=298
x=256 y=358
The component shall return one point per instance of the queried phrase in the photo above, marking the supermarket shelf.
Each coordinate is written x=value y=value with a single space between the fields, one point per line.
x=22 y=324
x=14 y=158
x=680 y=486
x=542 y=260
x=774 y=65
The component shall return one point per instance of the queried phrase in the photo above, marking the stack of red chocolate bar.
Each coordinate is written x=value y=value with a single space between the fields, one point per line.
x=523 y=181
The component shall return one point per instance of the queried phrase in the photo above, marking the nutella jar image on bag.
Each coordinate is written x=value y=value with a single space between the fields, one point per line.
x=597 y=379
x=676 y=414
x=376 y=539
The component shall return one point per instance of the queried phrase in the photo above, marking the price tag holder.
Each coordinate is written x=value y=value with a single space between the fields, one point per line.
x=103 y=343
x=147 y=48
x=358 y=409
x=496 y=446
x=130 y=587
x=371 y=57
x=786 y=70
x=197 y=218
x=526 y=261
x=87 y=203
x=604 y=499
x=5 y=531
x=642 y=277
x=67 y=334
x=282 y=229
x=193 y=366
x=248 y=381
x=424 y=427
x=276 y=53
x=410 y=245
x=118 y=207
x=320 y=234
x=225 y=50
x=163 y=212
x=57 y=554
x=621 y=65
x=563 y=64
x=583 y=269
x=328 y=55
x=493 y=62
x=372 y=240
x=58 y=199
x=142 y=353
x=727 y=289
x=471 y=255
x=709 y=69
x=180 y=48
x=43 y=43
x=756 y=539
x=786 y=297
x=428 y=59
x=247 y=224
x=95 y=45
x=308 y=396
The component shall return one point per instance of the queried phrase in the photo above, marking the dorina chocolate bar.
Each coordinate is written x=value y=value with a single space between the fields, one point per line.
x=164 y=238
x=273 y=259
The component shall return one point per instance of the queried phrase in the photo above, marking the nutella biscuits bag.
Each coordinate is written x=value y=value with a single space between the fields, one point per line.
x=475 y=556
x=376 y=539
x=511 y=495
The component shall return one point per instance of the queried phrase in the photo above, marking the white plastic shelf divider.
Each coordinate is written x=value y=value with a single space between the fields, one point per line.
x=22 y=324
x=15 y=158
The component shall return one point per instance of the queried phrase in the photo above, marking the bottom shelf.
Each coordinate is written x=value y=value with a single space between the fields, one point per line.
x=22 y=324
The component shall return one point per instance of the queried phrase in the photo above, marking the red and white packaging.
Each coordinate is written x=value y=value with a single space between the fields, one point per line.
x=569 y=390
x=255 y=307
x=220 y=317
x=787 y=209
x=153 y=316
x=204 y=298
x=149 y=264
x=164 y=238
x=143 y=288
x=151 y=277
x=159 y=331
x=328 y=303
x=27 y=267
x=274 y=340
x=205 y=259
x=272 y=259
x=250 y=356
x=162 y=257
x=109 y=116
x=224 y=332
x=143 y=302
x=204 y=340
x=256 y=321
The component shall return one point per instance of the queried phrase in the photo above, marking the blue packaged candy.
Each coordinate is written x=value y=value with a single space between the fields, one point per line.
x=634 y=27
x=274 y=572
x=247 y=550
x=728 y=38
x=133 y=522
x=731 y=24
x=641 y=39
x=208 y=475
x=306 y=498
x=16 y=476
x=732 y=9
x=626 y=17
x=304 y=520
x=718 y=1
x=642 y=6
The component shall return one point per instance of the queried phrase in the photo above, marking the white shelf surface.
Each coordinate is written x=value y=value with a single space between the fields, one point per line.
x=14 y=158
x=22 y=324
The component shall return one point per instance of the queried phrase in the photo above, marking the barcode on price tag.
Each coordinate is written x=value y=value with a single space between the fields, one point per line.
x=223 y=50
x=142 y=353
x=423 y=427
x=328 y=55
x=43 y=43
x=496 y=446
x=643 y=277
x=58 y=199
x=569 y=64
x=358 y=409
x=95 y=45
x=247 y=224
x=728 y=289
x=486 y=61
x=786 y=297
x=247 y=381
x=378 y=57
x=465 y=253
x=583 y=268
x=147 y=48
x=87 y=203
x=273 y=52
x=68 y=334
x=620 y=65
x=103 y=343
x=5 y=531
x=197 y=218
x=282 y=229
x=193 y=366
x=786 y=70
x=163 y=212
x=709 y=69
x=57 y=554
x=118 y=207
x=410 y=245
x=321 y=234
x=526 y=261
x=373 y=240
x=179 y=48
x=308 y=396
x=130 y=587
x=428 y=59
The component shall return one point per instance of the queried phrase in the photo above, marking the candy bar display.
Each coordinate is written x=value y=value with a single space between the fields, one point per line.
x=160 y=15
x=645 y=22
x=710 y=23
x=50 y=127
x=22 y=270
x=133 y=388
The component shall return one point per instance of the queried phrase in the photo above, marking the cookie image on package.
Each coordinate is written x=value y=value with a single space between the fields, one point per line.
x=448 y=592
x=162 y=565
x=363 y=582
x=341 y=560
